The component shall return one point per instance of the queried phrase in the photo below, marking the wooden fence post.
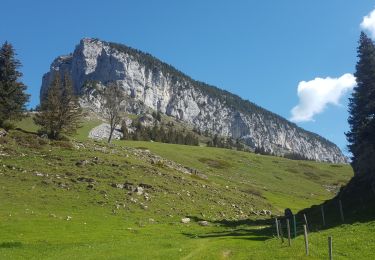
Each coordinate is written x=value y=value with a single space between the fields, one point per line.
x=306 y=239
x=295 y=226
x=330 y=248
x=341 y=212
x=323 y=217
x=288 y=228
x=307 y=226
x=277 y=228
x=281 y=232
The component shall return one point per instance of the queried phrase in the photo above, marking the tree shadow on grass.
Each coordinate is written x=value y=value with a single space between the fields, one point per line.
x=357 y=203
x=10 y=244
x=246 y=229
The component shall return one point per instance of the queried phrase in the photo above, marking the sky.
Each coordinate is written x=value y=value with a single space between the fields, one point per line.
x=293 y=57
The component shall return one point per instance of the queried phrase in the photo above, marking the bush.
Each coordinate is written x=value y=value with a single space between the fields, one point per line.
x=28 y=140
x=7 y=125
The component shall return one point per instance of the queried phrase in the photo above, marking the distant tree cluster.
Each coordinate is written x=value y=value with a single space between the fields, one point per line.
x=225 y=142
x=157 y=133
x=13 y=97
x=262 y=151
x=296 y=156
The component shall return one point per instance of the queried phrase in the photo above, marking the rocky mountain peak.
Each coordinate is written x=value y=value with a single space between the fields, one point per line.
x=163 y=88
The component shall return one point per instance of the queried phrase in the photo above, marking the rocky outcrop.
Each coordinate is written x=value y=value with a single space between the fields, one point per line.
x=102 y=131
x=158 y=86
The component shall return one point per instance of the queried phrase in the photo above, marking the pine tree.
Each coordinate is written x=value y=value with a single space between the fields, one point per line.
x=12 y=91
x=60 y=112
x=361 y=136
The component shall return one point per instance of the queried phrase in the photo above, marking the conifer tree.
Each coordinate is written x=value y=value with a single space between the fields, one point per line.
x=361 y=136
x=60 y=112
x=12 y=91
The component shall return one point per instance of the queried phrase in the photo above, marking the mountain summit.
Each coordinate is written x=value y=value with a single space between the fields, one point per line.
x=159 y=86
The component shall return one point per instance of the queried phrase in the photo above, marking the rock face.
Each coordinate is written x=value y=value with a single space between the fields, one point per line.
x=161 y=87
x=102 y=132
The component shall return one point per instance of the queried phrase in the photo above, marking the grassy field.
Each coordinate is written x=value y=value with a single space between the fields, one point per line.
x=64 y=200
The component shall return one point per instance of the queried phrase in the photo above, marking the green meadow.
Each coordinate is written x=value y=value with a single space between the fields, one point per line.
x=90 y=200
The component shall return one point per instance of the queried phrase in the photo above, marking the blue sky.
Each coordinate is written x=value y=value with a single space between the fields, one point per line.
x=260 y=50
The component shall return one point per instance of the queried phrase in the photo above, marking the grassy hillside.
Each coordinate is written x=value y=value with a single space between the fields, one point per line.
x=88 y=200
x=281 y=182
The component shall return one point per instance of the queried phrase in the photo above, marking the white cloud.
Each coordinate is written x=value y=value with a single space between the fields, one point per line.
x=316 y=94
x=368 y=23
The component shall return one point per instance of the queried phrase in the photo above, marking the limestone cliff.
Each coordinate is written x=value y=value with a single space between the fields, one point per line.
x=161 y=87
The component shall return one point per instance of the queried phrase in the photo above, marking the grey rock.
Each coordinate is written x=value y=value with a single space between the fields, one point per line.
x=3 y=132
x=82 y=163
x=102 y=132
x=117 y=185
x=139 y=190
x=203 y=223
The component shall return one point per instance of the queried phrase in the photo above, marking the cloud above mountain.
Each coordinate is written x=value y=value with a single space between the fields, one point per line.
x=316 y=94
x=368 y=23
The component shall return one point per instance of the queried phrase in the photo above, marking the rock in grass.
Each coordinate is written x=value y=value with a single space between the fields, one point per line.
x=185 y=220
x=117 y=185
x=203 y=223
x=139 y=190
x=82 y=163
x=3 y=132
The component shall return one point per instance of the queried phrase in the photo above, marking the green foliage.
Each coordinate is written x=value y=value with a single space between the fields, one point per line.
x=296 y=156
x=12 y=91
x=159 y=133
x=60 y=112
x=361 y=136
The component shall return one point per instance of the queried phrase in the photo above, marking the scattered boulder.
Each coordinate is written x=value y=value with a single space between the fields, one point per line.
x=68 y=218
x=185 y=220
x=82 y=163
x=203 y=223
x=85 y=179
x=139 y=190
x=3 y=132
x=266 y=212
x=117 y=185
x=129 y=186
x=144 y=185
